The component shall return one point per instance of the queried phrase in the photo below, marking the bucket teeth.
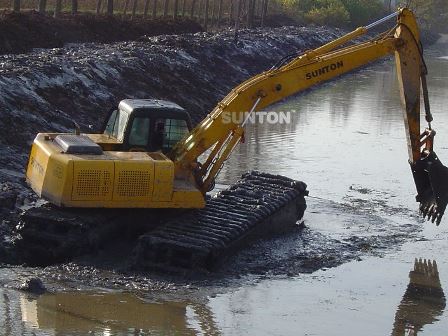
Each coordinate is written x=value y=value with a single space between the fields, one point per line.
x=430 y=211
x=431 y=180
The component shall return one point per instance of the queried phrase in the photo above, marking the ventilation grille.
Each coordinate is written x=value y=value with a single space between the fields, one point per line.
x=93 y=183
x=133 y=183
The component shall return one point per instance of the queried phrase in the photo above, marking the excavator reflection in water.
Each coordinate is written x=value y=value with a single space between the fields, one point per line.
x=114 y=314
x=124 y=314
x=423 y=302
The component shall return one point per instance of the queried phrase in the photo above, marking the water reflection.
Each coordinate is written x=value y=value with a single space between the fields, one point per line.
x=77 y=313
x=423 y=302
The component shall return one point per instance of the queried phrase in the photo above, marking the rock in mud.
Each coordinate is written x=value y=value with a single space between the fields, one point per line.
x=8 y=197
x=33 y=286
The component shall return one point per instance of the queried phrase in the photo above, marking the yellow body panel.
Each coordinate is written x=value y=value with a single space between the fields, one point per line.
x=111 y=180
x=107 y=142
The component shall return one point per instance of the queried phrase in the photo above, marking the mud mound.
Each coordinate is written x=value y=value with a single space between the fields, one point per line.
x=21 y=32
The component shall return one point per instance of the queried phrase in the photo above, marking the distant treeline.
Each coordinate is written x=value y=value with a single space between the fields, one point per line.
x=432 y=14
x=208 y=12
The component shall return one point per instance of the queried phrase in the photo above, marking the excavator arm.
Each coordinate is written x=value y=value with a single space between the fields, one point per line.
x=203 y=152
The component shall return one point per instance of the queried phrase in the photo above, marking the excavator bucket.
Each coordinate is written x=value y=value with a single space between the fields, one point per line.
x=431 y=180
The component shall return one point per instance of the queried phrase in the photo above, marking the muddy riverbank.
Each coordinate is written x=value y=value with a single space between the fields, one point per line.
x=22 y=32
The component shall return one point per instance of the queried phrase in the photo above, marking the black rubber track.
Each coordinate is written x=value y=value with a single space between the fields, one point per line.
x=259 y=204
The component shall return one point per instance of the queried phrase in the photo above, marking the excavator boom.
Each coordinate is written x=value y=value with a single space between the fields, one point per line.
x=216 y=139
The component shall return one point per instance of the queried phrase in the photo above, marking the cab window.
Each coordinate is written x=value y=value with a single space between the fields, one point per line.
x=117 y=124
x=175 y=130
x=139 y=133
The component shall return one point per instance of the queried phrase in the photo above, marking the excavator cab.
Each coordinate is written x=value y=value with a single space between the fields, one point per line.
x=147 y=125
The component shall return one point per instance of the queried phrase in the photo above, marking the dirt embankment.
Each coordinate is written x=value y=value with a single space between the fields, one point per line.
x=21 y=32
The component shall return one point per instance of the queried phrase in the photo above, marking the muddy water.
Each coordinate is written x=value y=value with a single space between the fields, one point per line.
x=346 y=140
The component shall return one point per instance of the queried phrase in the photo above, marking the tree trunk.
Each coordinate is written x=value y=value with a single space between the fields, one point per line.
x=145 y=10
x=98 y=7
x=154 y=9
x=42 y=6
x=74 y=7
x=134 y=9
x=231 y=10
x=218 y=23
x=250 y=13
x=175 y=9
x=213 y=16
x=110 y=7
x=201 y=10
x=264 y=10
x=16 y=6
x=206 y=14
x=125 y=7
x=237 y=19
x=184 y=7
x=193 y=3
x=58 y=8
x=165 y=8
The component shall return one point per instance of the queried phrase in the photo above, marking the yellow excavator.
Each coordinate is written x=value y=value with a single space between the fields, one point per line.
x=148 y=156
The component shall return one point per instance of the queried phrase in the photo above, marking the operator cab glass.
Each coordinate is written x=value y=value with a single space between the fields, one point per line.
x=167 y=132
x=116 y=125
x=139 y=134
x=149 y=125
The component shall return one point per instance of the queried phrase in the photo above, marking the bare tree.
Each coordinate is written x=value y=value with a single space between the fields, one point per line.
x=110 y=7
x=145 y=9
x=250 y=13
x=58 y=8
x=184 y=7
x=219 y=13
x=206 y=14
x=201 y=9
x=134 y=9
x=154 y=9
x=264 y=10
x=231 y=10
x=193 y=3
x=16 y=6
x=74 y=7
x=175 y=9
x=237 y=19
x=125 y=7
x=165 y=8
x=98 y=7
x=213 y=18
x=42 y=6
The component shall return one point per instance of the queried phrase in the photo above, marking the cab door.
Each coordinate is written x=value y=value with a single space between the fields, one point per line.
x=139 y=134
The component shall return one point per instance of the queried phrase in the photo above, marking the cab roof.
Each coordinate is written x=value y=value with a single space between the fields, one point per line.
x=130 y=105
